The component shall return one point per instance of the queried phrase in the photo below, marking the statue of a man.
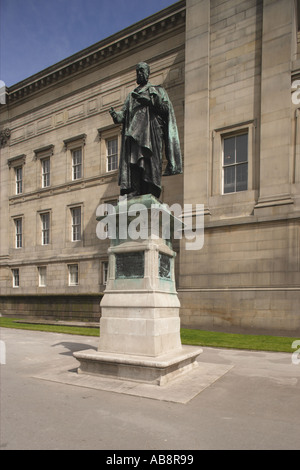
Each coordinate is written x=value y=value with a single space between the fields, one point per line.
x=149 y=124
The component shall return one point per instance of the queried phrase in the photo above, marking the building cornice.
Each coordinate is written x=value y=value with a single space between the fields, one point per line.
x=152 y=27
x=66 y=187
x=16 y=161
x=47 y=150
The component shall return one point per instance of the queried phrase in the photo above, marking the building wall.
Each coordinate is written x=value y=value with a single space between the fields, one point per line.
x=66 y=307
x=50 y=121
x=228 y=67
x=247 y=273
x=246 y=276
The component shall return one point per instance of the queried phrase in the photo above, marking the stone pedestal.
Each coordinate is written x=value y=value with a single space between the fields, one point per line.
x=140 y=324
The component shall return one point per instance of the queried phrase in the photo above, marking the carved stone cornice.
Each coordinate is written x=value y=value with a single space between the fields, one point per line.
x=44 y=151
x=103 y=130
x=78 y=139
x=153 y=27
x=19 y=160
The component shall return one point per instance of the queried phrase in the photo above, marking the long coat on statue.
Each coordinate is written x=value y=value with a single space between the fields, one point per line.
x=146 y=130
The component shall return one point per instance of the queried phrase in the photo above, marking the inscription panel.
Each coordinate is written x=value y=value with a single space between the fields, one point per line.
x=130 y=265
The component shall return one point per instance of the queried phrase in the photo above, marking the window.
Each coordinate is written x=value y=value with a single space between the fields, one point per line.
x=16 y=277
x=235 y=163
x=45 y=172
x=45 y=221
x=19 y=233
x=76 y=224
x=73 y=274
x=112 y=154
x=104 y=272
x=42 y=270
x=75 y=156
x=110 y=140
x=76 y=164
x=19 y=179
x=17 y=175
x=43 y=154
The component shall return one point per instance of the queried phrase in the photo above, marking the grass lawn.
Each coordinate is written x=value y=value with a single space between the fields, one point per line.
x=71 y=330
x=188 y=336
x=237 y=341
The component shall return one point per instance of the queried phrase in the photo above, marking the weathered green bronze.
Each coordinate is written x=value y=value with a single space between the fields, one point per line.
x=164 y=266
x=149 y=123
x=130 y=265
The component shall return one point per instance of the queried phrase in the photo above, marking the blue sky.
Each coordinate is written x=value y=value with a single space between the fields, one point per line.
x=35 y=34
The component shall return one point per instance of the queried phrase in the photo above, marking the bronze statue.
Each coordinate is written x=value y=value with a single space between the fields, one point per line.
x=148 y=123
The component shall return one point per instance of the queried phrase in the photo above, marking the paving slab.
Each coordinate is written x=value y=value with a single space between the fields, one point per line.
x=237 y=400
x=180 y=390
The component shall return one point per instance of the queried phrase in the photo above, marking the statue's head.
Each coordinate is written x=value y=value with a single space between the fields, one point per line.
x=142 y=73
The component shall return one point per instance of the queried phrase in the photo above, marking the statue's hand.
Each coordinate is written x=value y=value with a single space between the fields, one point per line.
x=113 y=114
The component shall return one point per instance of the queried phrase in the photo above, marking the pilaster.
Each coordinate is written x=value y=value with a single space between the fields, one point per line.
x=196 y=139
x=275 y=147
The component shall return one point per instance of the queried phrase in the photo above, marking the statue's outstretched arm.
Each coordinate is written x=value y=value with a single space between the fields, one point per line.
x=117 y=116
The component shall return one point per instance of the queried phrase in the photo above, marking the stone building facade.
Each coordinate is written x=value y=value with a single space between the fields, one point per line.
x=231 y=69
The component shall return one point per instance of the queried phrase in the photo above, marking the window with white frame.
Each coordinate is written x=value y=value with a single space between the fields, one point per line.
x=42 y=271
x=235 y=163
x=112 y=154
x=44 y=154
x=45 y=162
x=74 y=147
x=76 y=164
x=17 y=175
x=76 y=224
x=45 y=225
x=73 y=274
x=19 y=179
x=104 y=272
x=16 y=277
x=18 y=232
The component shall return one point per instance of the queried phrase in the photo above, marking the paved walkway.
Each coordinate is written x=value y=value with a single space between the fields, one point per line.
x=251 y=402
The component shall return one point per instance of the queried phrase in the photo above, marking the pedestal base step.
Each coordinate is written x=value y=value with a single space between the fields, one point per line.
x=151 y=370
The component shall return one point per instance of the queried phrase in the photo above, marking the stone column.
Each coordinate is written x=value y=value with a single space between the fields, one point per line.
x=196 y=127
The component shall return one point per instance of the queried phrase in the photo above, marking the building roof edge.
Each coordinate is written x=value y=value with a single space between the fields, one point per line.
x=93 y=53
